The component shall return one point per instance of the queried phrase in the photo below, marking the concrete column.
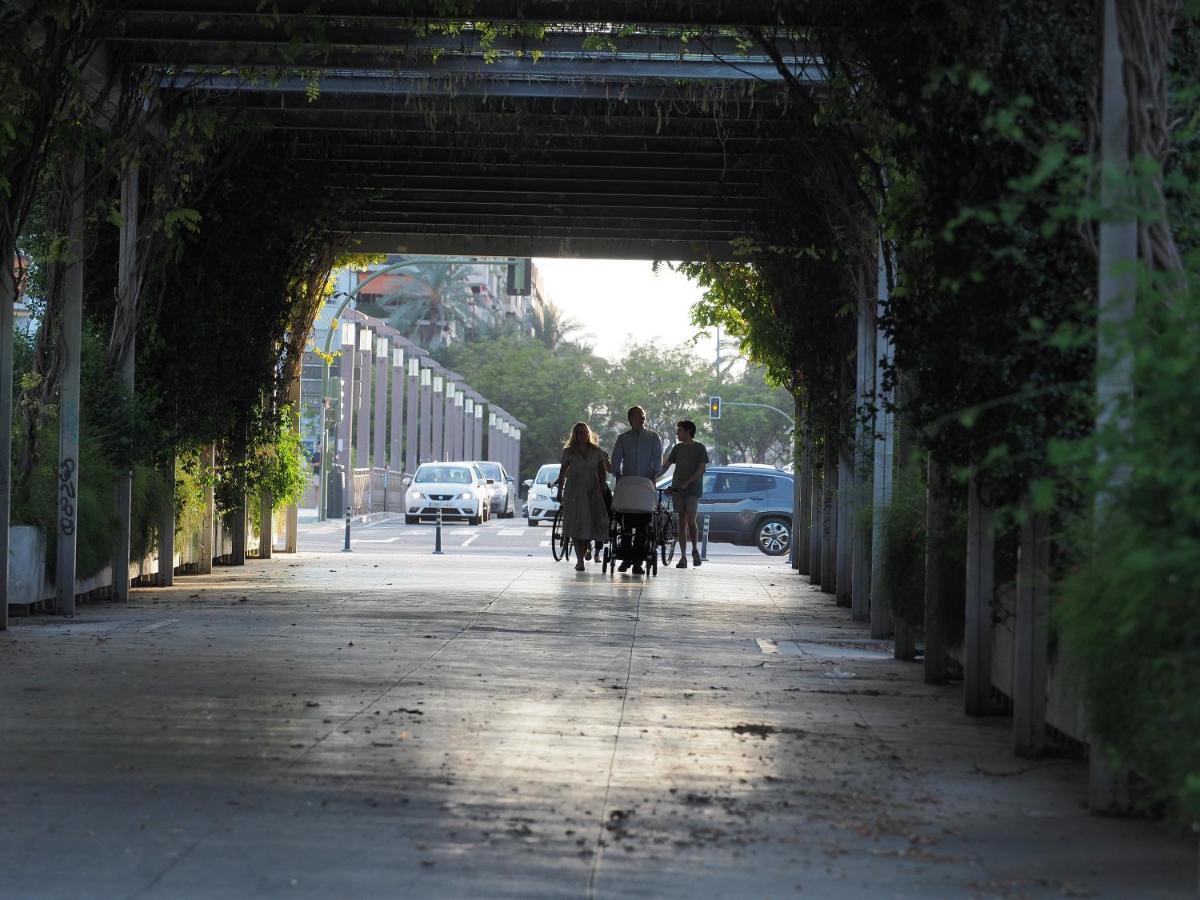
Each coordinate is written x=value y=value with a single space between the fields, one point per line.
x=516 y=451
x=362 y=432
x=1108 y=789
x=449 y=421
x=977 y=643
x=477 y=432
x=844 y=497
x=829 y=512
x=882 y=472
x=469 y=428
x=904 y=638
x=345 y=429
x=936 y=590
x=208 y=458
x=237 y=532
x=382 y=364
x=860 y=577
x=291 y=529
x=1030 y=654
x=8 y=296
x=844 y=504
x=459 y=413
x=816 y=529
x=266 y=525
x=70 y=349
x=412 y=430
x=800 y=501
x=127 y=289
x=395 y=461
x=426 y=414
x=166 y=526
x=437 y=422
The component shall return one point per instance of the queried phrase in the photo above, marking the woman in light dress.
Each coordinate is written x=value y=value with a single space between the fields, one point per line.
x=582 y=480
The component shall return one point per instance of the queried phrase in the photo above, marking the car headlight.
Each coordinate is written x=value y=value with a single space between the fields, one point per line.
x=466 y=495
x=415 y=495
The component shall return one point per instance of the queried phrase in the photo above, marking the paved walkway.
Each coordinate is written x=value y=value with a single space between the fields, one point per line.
x=335 y=725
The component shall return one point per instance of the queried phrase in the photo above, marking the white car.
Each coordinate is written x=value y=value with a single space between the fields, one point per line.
x=459 y=490
x=540 y=504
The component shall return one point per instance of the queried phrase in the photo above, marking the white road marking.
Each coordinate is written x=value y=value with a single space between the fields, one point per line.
x=469 y=541
x=544 y=544
x=390 y=540
x=159 y=625
x=510 y=532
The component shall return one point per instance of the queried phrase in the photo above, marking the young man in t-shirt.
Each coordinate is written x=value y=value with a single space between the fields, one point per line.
x=690 y=458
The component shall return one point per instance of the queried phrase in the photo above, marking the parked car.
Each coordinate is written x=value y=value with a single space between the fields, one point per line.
x=540 y=504
x=459 y=490
x=501 y=488
x=747 y=504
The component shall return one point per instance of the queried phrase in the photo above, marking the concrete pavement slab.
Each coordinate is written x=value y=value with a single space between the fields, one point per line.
x=377 y=725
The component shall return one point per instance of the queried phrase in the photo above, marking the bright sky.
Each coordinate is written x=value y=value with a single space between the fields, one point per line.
x=616 y=299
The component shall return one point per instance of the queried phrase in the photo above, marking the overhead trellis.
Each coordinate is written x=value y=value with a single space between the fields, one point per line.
x=600 y=129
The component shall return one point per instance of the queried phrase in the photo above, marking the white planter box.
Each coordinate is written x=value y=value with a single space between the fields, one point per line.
x=26 y=565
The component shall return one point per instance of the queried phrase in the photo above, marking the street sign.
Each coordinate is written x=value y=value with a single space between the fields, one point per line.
x=714 y=407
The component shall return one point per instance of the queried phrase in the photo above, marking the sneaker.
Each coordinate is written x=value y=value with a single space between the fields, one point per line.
x=637 y=570
x=682 y=564
x=587 y=554
x=695 y=557
x=623 y=566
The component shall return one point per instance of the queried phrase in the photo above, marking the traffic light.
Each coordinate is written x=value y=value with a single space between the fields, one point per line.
x=714 y=407
x=519 y=278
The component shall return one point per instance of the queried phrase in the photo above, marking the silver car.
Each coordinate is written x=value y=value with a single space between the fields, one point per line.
x=500 y=485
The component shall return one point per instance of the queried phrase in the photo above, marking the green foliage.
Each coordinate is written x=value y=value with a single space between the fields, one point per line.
x=550 y=390
x=547 y=390
x=903 y=536
x=279 y=466
x=1129 y=615
x=109 y=430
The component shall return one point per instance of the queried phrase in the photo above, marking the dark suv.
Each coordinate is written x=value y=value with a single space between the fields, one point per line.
x=748 y=505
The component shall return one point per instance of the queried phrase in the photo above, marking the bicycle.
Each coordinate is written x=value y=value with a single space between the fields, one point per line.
x=666 y=530
x=560 y=544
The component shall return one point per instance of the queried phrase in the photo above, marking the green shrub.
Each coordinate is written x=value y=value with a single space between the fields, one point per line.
x=1130 y=611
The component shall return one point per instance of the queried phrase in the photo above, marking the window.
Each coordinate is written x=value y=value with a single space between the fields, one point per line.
x=546 y=474
x=443 y=475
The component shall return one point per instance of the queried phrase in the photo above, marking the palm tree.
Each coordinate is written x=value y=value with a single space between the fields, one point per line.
x=434 y=298
x=554 y=325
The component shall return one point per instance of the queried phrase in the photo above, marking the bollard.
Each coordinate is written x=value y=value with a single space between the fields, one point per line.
x=437 y=541
x=704 y=540
x=346 y=545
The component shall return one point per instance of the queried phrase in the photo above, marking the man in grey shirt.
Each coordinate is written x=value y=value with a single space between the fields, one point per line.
x=637 y=451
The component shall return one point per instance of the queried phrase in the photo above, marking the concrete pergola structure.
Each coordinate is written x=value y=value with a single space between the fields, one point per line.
x=603 y=143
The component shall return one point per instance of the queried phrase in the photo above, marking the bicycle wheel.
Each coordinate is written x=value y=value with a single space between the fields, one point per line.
x=560 y=547
x=668 y=538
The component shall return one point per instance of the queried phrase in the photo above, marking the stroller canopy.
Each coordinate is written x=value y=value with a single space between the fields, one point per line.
x=635 y=495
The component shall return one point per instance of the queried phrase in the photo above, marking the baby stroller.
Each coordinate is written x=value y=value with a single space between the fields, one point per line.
x=632 y=530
